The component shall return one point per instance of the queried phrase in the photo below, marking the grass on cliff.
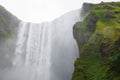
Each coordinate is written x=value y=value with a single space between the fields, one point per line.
x=95 y=35
x=5 y=25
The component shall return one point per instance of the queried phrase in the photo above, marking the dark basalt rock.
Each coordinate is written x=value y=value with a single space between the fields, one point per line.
x=93 y=20
x=117 y=43
x=104 y=49
x=109 y=15
x=113 y=3
x=86 y=7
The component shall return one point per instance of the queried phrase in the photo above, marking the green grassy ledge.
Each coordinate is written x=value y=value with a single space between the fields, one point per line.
x=98 y=38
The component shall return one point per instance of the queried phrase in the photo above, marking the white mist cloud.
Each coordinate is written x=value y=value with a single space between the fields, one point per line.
x=42 y=10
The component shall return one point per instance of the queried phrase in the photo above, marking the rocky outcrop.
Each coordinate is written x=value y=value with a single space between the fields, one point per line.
x=98 y=39
x=8 y=23
x=8 y=32
x=85 y=8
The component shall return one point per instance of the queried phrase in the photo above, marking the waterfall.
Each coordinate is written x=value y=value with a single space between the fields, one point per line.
x=33 y=50
x=45 y=51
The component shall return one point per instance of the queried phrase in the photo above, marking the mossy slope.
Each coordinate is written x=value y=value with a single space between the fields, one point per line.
x=8 y=24
x=98 y=38
x=8 y=32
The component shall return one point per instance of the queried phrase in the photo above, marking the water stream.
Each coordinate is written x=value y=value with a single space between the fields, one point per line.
x=44 y=51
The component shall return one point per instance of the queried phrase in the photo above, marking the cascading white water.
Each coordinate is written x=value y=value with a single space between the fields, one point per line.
x=36 y=40
x=32 y=53
x=45 y=51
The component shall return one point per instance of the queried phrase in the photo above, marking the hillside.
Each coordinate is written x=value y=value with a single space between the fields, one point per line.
x=98 y=38
x=8 y=28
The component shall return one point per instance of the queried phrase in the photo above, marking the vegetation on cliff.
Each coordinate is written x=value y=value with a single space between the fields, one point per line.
x=8 y=24
x=8 y=28
x=98 y=38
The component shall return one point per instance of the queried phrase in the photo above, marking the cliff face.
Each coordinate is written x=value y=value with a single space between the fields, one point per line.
x=8 y=29
x=8 y=23
x=98 y=38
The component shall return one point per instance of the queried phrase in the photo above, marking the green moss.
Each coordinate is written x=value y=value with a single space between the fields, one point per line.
x=96 y=36
x=6 y=30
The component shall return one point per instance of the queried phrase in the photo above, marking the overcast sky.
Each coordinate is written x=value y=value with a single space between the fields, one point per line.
x=43 y=10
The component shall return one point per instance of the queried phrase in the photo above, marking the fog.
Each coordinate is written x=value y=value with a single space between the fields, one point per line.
x=43 y=51
x=43 y=10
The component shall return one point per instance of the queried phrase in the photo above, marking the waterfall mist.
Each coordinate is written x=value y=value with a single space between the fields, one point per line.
x=44 y=51
x=64 y=48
